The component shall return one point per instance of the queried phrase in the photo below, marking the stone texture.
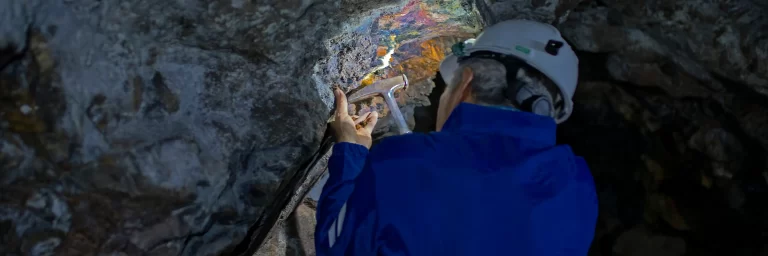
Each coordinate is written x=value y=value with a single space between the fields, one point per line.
x=684 y=47
x=682 y=168
x=158 y=127
x=547 y=11
x=296 y=236
x=660 y=117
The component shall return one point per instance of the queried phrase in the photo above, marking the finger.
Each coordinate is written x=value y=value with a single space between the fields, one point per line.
x=341 y=102
x=372 y=119
x=360 y=119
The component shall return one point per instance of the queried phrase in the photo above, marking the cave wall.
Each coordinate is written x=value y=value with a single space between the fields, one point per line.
x=157 y=127
x=670 y=114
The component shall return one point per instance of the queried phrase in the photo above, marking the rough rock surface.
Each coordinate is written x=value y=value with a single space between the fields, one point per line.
x=671 y=114
x=157 y=127
x=296 y=236
x=548 y=11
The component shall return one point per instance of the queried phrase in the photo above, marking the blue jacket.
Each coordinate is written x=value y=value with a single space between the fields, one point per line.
x=492 y=182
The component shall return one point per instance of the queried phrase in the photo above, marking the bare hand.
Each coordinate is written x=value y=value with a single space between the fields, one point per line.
x=346 y=129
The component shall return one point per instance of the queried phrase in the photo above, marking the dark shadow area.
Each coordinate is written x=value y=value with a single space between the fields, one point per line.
x=426 y=116
x=655 y=179
x=7 y=55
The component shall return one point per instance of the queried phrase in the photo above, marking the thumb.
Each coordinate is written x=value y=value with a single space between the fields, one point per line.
x=341 y=102
x=372 y=119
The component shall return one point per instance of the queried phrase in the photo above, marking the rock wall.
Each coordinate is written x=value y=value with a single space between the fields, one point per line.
x=670 y=114
x=157 y=127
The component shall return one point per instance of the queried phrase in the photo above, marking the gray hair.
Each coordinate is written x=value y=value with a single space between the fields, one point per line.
x=489 y=81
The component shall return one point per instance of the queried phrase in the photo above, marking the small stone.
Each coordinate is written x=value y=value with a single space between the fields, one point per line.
x=37 y=201
x=46 y=247
x=25 y=109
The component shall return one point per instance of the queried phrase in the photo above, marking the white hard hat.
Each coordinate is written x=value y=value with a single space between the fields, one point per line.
x=538 y=44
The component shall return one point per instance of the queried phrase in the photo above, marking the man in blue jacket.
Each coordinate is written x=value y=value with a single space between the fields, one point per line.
x=490 y=181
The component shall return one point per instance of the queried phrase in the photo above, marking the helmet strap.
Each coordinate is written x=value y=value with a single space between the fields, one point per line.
x=521 y=89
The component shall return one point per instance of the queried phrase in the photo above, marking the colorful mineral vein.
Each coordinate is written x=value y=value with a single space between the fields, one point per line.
x=414 y=40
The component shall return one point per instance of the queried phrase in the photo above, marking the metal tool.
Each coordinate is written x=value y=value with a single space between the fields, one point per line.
x=386 y=88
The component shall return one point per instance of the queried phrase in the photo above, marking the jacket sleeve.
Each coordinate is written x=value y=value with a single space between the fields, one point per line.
x=345 y=164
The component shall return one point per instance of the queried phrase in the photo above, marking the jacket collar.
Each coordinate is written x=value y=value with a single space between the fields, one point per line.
x=483 y=119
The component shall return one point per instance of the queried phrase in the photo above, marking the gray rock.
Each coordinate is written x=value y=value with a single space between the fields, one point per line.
x=687 y=93
x=680 y=46
x=156 y=127
x=547 y=11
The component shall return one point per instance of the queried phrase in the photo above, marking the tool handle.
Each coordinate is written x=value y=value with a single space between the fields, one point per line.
x=402 y=126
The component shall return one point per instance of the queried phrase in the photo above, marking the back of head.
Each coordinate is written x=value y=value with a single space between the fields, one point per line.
x=519 y=63
x=491 y=86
